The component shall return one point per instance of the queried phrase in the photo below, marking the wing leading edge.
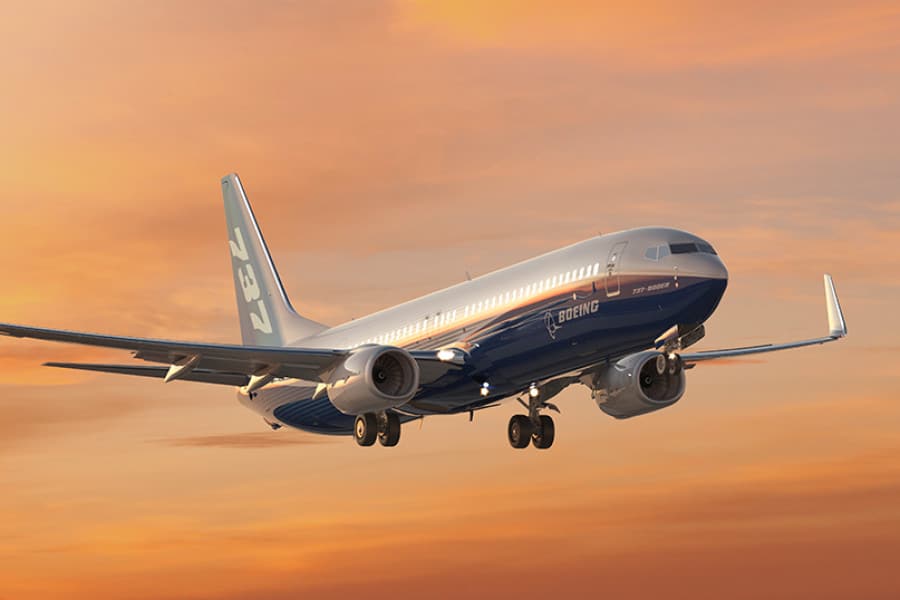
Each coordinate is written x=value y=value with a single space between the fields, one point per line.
x=837 y=329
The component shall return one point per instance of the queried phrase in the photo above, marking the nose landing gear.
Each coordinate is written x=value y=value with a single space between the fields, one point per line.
x=533 y=427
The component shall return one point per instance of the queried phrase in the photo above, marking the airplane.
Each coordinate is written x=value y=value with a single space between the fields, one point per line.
x=614 y=313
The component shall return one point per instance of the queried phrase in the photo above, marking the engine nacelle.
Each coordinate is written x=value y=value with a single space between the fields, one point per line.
x=373 y=379
x=638 y=384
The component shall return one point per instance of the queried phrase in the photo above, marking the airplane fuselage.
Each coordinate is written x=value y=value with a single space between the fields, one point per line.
x=585 y=304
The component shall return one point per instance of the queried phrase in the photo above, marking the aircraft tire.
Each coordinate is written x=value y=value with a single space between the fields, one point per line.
x=390 y=434
x=544 y=438
x=519 y=431
x=366 y=429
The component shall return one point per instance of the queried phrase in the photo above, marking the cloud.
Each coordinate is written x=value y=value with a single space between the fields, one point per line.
x=250 y=440
x=35 y=411
x=388 y=148
x=784 y=521
x=660 y=34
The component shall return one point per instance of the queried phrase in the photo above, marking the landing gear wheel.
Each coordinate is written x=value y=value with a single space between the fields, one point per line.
x=389 y=429
x=520 y=431
x=543 y=438
x=366 y=429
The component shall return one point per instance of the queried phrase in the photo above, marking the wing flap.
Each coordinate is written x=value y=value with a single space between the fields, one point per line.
x=199 y=375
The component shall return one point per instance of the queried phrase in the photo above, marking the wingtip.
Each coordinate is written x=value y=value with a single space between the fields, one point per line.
x=837 y=325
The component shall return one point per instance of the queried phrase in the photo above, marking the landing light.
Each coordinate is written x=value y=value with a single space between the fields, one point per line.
x=446 y=355
x=485 y=388
x=533 y=391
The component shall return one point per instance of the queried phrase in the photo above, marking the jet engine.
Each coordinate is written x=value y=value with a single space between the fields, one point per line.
x=638 y=384
x=373 y=379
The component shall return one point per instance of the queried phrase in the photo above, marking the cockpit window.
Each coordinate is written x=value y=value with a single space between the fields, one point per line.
x=691 y=248
x=684 y=248
x=656 y=252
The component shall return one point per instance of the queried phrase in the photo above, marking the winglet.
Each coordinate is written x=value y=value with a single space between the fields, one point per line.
x=836 y=324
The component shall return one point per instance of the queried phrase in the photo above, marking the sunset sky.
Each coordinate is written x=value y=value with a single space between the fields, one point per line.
x=388 y=148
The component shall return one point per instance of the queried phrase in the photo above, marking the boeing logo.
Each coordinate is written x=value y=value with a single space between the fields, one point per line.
x=569 y=314
x=550 y=324
x=578 y=311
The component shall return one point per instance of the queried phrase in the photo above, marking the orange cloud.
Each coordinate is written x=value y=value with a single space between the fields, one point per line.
x=388 y=149
x=241 y=441
x=664 y=34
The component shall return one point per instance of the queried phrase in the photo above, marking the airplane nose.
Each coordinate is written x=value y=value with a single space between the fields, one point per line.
x=718 y=270
x=704 y=266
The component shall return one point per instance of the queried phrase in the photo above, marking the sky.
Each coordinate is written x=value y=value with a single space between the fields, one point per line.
x=388 y=148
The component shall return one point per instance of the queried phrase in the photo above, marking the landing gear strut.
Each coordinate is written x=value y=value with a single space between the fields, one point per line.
x=533 y=427
x=385 y=427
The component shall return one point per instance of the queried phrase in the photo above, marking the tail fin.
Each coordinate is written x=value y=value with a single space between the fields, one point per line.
x=267 y=317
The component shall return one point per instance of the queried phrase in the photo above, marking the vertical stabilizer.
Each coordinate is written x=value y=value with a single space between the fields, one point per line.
x=267 y=317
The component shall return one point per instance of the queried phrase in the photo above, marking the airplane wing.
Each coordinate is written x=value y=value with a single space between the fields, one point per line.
x=217 y=363
x=837 y=328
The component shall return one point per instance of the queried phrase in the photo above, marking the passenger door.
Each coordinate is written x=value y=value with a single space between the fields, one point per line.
x=613 y=287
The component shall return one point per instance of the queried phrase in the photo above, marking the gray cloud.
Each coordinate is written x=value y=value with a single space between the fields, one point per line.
x=249 y=440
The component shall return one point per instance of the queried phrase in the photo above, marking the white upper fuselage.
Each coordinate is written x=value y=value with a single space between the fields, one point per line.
x=426 y=318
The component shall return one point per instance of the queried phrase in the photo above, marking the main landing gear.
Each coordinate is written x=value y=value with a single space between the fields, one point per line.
x=534 y=427
x=385 y=427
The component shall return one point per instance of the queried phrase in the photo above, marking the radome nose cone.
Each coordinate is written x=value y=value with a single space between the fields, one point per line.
x=704 y=267
x=720 y=272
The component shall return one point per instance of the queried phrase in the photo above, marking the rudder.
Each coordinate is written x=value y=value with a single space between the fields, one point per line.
x=266 y=315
